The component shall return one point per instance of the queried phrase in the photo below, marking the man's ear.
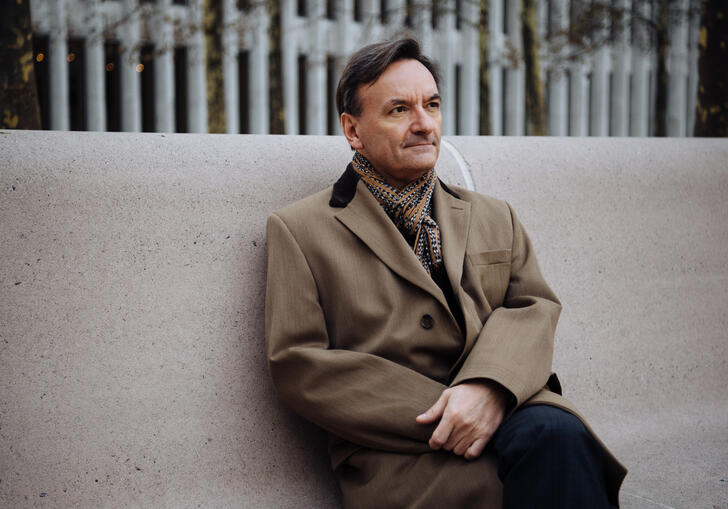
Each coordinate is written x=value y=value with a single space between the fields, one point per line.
x=349 y=125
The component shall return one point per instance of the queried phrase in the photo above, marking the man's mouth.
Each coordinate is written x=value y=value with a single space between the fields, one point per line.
x=426 y=143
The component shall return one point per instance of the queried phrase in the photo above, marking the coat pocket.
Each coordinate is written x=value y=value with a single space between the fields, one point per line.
x=491 y=257
x=493 y=269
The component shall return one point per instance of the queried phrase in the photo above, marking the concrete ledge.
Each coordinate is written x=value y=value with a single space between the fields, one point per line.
x=131 y=278
x=632 y=234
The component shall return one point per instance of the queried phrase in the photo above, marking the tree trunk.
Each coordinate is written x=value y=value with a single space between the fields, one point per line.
x=711 y=111
x=484 y=110
x=19 y=107
x=213 y=24
x=275 y=70
x=662 y=43
x=535 y=110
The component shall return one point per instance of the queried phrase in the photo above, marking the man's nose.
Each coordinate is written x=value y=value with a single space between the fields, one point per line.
x=422 y=121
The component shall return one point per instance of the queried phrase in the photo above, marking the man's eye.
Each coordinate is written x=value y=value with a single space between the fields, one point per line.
x=434 y=105
x=398 y=109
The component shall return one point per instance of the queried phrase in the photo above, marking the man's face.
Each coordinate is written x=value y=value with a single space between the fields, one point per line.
x=399 y=127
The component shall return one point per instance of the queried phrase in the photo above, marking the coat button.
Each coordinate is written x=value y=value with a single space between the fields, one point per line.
x=427 y=321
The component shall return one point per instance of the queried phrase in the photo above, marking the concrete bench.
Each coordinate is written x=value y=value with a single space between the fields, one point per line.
x=132 y=371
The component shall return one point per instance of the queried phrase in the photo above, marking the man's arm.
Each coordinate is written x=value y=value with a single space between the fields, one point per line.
x=509 y=363
x=515 y=346
x=360 y=397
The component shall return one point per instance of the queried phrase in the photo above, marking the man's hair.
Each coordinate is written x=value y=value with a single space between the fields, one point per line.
x=369 y=63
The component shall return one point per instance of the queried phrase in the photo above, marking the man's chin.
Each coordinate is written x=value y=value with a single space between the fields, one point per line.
x=424 y=158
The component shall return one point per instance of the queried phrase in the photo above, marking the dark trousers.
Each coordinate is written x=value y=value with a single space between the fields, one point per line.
x=547 y=459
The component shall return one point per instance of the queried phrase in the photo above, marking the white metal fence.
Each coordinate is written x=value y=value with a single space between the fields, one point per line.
x=113 y=43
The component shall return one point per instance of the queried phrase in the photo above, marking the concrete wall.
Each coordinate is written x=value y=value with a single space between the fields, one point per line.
x=632 y=234
x=132 y=370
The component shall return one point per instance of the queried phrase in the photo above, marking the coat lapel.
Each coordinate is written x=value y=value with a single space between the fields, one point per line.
x=453 y=217
x=367 y=220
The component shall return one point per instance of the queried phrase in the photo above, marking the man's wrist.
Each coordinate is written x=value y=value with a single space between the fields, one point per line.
x=498 y=391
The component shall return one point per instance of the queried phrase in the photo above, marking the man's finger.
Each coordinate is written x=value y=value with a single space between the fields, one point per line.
x=458 y=434
x=462 y=446
x=441 y=434
x=434 y=412
x=475 y=449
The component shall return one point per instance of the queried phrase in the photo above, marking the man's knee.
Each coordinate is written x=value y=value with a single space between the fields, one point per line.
x=547 y=454
x=540 y=428
x=557 y=427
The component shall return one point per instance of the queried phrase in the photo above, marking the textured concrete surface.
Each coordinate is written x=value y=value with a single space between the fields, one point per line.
x=131 y=321
x=131 y=283
x=632 y=234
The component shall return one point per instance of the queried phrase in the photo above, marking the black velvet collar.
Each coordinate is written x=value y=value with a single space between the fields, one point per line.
x=345 y=188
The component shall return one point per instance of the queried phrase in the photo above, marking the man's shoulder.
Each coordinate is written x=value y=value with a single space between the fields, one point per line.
x=480 y=203
x=311 y=208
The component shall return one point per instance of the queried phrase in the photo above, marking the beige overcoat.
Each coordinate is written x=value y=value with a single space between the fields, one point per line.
x=360 y=339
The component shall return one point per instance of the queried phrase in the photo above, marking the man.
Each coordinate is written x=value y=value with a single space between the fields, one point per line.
x=411 y=321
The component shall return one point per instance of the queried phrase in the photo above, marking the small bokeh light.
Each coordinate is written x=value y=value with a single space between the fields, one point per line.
x=110 y=66
x=71 y=57
x=39 y=57
x=140 y=67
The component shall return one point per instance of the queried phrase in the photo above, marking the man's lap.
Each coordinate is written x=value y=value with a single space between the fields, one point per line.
x=438 y=479
x=372 y=478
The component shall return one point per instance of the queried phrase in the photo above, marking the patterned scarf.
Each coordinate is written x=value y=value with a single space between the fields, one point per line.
x=409 y=208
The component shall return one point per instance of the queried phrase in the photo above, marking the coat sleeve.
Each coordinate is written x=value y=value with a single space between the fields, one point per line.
x=362 y=398
x=515 y=345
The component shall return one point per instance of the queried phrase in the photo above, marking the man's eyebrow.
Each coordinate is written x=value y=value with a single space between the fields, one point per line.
x=398 y=100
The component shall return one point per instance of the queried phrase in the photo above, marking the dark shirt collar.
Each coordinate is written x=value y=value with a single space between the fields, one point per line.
x=345 y=188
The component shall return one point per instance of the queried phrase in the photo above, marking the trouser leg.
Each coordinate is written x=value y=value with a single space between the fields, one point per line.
x=547 y=459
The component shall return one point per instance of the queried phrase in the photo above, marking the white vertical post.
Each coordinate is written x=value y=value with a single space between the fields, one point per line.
x=640 y=100
x=422 y=23
x=579 y=100
x=345 y=29
x=470 y=75
x=259 y=120
x=58 y=56
x=447 y=68
x=397 y=10
x=639 y=104
x=231 y=76
x=196 y=83
x=620 y=75
x=678 y=68
x=558 y=86
x=95 y=90
x=495 y=65
x=515 y=79
x=373 y=30
x=600 y=93
x=316 y=70
x=599 y=89
x=444 y=55
x=131 y=105
x=289 y=57
x=163 y=68
x=345 y=26
x=437 y=50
